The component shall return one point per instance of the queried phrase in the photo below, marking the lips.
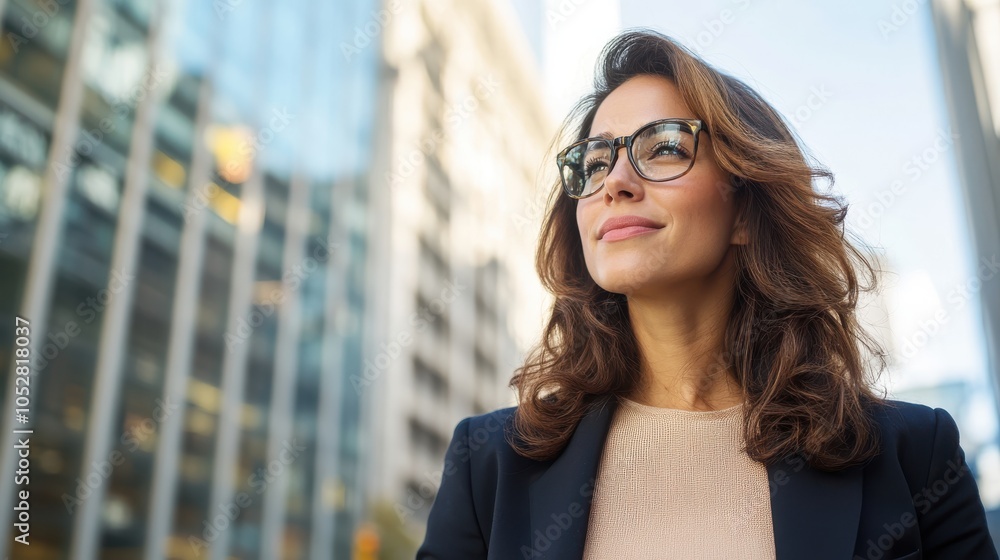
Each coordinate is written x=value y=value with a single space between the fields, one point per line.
x=626 y=226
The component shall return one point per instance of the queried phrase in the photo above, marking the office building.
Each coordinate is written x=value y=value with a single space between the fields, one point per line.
x=185 y=221
x=968 y=44
x=465 y=176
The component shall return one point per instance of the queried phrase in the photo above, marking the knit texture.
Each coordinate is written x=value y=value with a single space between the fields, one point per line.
x=676 y=484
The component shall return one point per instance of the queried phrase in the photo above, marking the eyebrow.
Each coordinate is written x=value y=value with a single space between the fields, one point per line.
x=608 y=136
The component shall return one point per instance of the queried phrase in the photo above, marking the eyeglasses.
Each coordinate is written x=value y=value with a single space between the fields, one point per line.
x=659 y=151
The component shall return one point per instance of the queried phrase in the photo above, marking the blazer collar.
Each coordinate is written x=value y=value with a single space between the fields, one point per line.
x=814 y=513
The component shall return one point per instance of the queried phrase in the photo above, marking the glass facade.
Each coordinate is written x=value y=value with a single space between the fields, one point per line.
x=198 y=295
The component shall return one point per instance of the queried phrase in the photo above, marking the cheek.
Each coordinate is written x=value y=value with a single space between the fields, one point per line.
x=705 y=211
x=583 y=222
x=583 y=226
x=704 y=233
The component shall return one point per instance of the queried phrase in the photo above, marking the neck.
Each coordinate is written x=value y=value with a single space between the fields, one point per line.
x=681 y=339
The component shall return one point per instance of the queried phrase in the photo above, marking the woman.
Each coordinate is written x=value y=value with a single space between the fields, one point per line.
x=702 y=387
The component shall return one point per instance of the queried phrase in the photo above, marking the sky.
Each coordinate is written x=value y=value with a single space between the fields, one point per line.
x=861 y=84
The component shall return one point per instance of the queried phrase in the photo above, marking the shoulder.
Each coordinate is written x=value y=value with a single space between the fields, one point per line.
x=904 y=419
x=923 y=439
x=487 y=443
x=489 y=424
x=482 y=434
x=481 y=449
x=502 y=415
x=907 y=422
x=922 y=443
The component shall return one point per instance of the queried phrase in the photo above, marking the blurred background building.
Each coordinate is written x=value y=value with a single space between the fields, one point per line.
x=271 y=253
x=186 y=224
x=467 y=134
x=968 y=35
x=968 y=41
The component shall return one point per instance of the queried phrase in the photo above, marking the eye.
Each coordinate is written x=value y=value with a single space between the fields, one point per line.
x=593 y=166
x=672 y=147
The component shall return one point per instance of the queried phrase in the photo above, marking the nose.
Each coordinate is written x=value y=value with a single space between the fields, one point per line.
x=622 y=181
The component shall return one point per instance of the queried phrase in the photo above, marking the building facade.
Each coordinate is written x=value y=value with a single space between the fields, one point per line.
x=466 y=150
x=968 y=42
x=184 y=223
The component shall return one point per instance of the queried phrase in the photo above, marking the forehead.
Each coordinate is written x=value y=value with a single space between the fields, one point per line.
x=639 y=100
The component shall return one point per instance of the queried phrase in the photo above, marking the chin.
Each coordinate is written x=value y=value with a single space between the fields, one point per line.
x=627 y=272
x=622 y=284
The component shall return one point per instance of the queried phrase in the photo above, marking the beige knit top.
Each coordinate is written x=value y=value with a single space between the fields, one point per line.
x=675 y=484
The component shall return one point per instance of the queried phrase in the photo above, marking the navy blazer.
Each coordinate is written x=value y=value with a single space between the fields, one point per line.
x=916 y=500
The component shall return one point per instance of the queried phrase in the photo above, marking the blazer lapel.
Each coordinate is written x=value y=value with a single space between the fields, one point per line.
x=560 y=498
x=815 y=514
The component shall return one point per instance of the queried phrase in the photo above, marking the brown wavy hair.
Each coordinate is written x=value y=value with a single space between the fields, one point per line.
x=792 y=341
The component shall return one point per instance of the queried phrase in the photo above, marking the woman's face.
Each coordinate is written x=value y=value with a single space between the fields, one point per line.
x=694 y=214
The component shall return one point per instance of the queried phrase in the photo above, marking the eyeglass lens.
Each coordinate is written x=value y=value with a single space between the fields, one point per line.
x=660 y=152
